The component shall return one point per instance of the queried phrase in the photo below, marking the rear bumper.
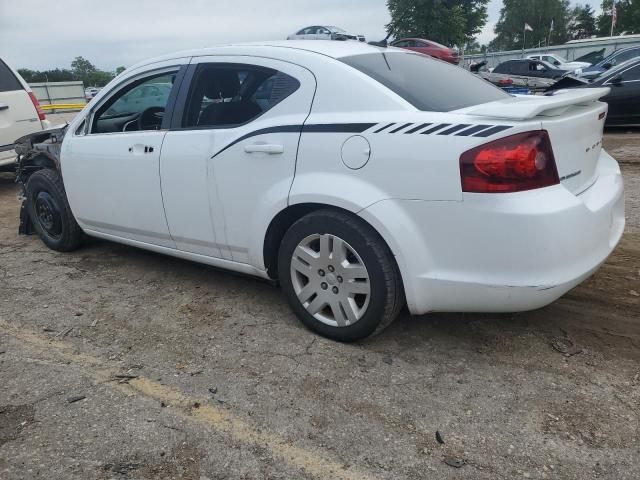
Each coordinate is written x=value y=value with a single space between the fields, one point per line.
x=502 y=253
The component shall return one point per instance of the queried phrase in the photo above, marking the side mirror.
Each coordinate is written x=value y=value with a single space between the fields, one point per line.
x=607 y=66
x=617 y=80
x=556 y=63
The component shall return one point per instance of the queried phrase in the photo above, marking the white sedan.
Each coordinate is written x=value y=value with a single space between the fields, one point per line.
x=361 y=178
x=559 y=62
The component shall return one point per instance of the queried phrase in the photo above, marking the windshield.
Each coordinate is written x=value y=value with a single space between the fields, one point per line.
x=560 y=59
x=427 y=84
x=336 y=30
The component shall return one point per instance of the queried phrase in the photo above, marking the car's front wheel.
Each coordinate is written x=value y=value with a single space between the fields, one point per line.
x=339 y=276
x=50 y=213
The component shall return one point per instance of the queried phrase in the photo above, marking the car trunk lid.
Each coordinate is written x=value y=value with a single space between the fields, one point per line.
x=574 y=120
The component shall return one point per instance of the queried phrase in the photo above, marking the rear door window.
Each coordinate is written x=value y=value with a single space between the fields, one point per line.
x=228 y=95
x=8 y=81
x=425 y=83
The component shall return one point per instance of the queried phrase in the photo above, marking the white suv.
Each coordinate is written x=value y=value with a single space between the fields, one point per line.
x=20 y=113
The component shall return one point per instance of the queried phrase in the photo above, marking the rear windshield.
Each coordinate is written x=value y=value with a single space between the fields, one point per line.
x=427 y=84
x=8 y=81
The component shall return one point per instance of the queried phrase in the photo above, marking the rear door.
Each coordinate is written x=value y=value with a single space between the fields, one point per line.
x=18 y=116
x=228 y=162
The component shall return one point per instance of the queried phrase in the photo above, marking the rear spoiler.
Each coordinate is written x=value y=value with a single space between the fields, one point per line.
x=529 y=106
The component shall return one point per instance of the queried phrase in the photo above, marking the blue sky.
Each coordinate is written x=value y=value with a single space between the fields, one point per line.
x=122 y=32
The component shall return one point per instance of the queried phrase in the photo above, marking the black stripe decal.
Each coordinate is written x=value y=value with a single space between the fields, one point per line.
x=384 y=128
x=436 y=128
x=325 y=127
x=338 y=127
x=400 y=128
x=263 y=131
x=472 y=130
x=449 y=131
x=492 y=130
x=420 y=127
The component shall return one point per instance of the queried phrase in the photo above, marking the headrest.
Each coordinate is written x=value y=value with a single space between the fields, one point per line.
x=222 y=84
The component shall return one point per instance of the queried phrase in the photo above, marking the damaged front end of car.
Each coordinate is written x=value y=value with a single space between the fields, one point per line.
x=35 y=152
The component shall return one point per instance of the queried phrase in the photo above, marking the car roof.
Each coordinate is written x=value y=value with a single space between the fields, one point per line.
x=328 y=48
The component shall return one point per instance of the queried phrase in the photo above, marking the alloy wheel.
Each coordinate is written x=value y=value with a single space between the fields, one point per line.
x=330 y=280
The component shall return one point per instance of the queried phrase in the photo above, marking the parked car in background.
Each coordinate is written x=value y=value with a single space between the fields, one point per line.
x=616 y=58
x=20 y=113
x=354 y=183
x=320 y=32
x=428 y=47
x=624 y=95
x=141 y=98
x=530 y=68
x=559 y=62
x=90 y=92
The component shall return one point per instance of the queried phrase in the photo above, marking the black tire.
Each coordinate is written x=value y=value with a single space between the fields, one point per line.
x=386 y=290
x=50 y=213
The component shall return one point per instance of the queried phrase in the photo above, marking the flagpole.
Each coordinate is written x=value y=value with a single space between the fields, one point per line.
x=613 y=16
x=524 y=40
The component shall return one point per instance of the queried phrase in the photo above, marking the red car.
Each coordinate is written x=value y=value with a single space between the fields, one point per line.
x=428 y=47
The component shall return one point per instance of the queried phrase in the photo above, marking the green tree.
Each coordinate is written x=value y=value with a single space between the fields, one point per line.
x=628 y=17
x=82 y=67
x=451 y=22
x=119 y=70
x=55 y=75
x=540 y=15
x=582 y=23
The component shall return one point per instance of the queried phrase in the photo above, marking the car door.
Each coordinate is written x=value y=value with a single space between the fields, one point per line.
x=624 y=98
x=228 y=162
x=323 y=34
x=110 y=163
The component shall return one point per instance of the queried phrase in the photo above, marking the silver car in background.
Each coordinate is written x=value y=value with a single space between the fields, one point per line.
x=319 y=32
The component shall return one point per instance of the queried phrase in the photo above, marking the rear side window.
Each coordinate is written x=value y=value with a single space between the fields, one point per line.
x=427 y=84
x=8 y=81
x=227 y=95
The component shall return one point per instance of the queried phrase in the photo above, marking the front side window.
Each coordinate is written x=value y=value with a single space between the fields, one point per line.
x=632 y=74
x=138 y=106
x=425 y=83
x=227 y=95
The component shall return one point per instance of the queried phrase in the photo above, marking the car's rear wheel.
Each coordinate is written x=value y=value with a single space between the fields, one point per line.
x=50 y=213
x=339 y=276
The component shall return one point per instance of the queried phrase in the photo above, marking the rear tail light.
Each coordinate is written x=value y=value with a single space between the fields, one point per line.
x=36 y=104
x=519 y=162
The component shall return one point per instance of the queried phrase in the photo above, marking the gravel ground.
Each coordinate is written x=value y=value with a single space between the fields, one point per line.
x=119 y=363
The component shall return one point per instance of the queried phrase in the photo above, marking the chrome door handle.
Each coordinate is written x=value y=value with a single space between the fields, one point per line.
x=264 y=148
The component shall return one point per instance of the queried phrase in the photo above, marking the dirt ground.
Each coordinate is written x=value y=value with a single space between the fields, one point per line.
x=119 y=363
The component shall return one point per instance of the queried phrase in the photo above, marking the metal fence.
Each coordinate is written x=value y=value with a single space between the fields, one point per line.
x=55 y=96
x=570 y=50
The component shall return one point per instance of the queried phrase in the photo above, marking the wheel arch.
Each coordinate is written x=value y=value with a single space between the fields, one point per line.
x=283 y=220
x=27 y=166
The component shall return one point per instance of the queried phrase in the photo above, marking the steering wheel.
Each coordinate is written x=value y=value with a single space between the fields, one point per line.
x=151 y=118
